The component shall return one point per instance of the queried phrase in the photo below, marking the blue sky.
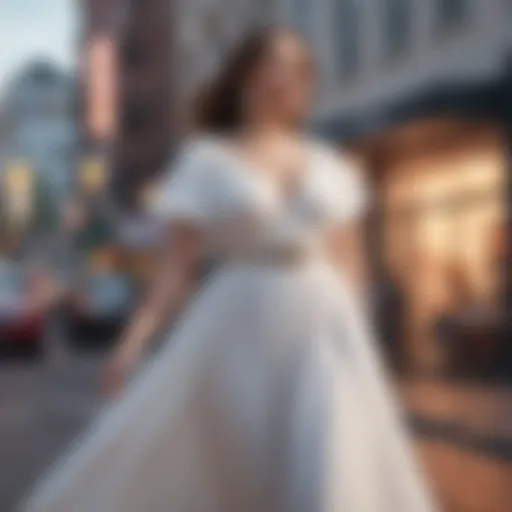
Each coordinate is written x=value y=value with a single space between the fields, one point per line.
x=35 y=28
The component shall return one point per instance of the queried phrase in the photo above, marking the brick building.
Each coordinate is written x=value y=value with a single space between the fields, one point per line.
x=126 y=107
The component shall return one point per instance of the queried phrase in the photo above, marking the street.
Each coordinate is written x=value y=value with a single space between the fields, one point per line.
x=45 y=404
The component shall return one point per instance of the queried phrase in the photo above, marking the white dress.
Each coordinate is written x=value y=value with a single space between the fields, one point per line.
x=268 y=396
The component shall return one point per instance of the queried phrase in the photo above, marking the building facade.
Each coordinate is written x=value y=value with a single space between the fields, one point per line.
x=418 y=89
x=37 y=156
x=376 y=51
x=146 y=93
x=99 y=83
x=37 y=126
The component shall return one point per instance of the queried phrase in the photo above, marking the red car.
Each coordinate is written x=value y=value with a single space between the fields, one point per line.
x=22 y=317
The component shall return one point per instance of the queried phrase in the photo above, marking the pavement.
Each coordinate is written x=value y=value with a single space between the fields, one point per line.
x=463 y=433
x=466 y=481
x=464 y=437
x=484 y=412
x=43 y=405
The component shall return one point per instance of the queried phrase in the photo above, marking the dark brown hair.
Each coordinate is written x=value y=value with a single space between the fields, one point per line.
x=218 y=107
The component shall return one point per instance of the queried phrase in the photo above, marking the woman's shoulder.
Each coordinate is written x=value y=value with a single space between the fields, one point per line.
x=199 y=145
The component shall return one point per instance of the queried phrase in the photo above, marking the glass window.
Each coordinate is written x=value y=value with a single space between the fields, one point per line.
x=346 y=21
x=397 y=27
x=451 y=14
x=303 y=15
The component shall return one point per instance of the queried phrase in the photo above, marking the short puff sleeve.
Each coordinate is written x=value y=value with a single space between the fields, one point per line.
x=184 y=192
x=341 y=185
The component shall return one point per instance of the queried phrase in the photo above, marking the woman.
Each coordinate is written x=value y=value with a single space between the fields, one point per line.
x=268 y=396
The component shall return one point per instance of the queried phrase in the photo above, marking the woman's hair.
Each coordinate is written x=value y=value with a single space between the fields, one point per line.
x=218 y=107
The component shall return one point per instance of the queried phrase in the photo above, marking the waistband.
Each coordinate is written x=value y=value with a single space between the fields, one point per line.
x=276 y=257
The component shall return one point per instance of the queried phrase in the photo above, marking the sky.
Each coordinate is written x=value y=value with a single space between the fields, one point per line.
x=35 y=28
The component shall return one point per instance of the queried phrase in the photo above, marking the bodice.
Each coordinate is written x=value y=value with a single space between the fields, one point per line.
x=242 y=212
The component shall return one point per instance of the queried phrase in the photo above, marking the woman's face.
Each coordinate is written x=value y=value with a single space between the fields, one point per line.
x=282 y=83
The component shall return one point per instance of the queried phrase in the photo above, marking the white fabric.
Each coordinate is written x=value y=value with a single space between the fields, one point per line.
x=269 y=395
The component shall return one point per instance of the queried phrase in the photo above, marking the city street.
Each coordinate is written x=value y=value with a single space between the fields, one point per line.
x=44 y=405
x=379 y=133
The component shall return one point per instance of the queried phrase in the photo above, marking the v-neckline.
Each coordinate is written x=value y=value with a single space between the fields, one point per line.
x=251 y=171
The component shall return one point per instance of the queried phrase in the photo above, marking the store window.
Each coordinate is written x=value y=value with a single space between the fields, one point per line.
x=347 y=40
x=303 y=16
x=443 y=211
x=451 y=14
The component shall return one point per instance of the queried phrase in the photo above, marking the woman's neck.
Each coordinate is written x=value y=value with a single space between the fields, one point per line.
x=267 y=129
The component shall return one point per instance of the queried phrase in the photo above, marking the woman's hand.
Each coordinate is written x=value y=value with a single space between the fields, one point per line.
x=117 y=370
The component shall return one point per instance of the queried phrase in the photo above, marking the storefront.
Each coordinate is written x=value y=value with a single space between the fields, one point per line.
x=439 y=185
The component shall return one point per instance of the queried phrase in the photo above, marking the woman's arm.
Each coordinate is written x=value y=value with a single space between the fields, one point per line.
x=171 y=281
x=348 y=252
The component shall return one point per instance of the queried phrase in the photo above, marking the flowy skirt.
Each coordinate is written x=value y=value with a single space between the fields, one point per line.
x=268 y=396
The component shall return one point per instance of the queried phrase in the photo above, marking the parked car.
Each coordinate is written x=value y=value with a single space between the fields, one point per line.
x=22 y=315
x=97 y=308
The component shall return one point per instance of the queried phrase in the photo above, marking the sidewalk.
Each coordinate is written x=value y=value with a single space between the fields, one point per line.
x=464 y=437
x=464 y=410
x=465 y=481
